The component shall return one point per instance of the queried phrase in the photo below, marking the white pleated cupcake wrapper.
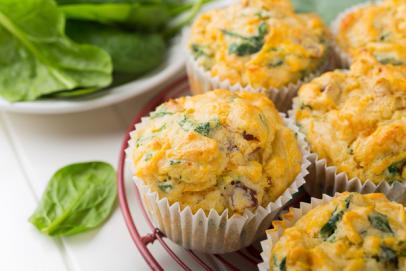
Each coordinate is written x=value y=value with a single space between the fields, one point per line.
x=287 y=221
x=216 y=233
x=343 y=57
x=290 y=218
x=326 y=179
x=202 y=81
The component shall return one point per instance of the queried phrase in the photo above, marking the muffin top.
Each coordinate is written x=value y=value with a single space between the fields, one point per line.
x=356 y=119
x=220 y=150
x=352 y=232
x=379 y=29
x=259 y=43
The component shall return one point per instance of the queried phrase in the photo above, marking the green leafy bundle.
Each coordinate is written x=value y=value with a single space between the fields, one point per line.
x=103 y=39
x=36 y=57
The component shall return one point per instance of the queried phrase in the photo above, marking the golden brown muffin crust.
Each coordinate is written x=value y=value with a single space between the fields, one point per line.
x=220 y=150
x=259 y=43
x=357 y=120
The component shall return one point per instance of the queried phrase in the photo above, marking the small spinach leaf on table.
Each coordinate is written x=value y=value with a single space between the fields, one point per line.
x=131 y=53
x=79 y=197
x=37 y=58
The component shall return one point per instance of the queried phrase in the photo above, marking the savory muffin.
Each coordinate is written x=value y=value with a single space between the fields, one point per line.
x=378 y=28
x=352 y=232
x=259 y=43
x=220 y=150
x=356 y=119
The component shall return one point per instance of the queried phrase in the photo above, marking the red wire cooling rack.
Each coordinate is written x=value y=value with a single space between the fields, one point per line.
x=250 y=256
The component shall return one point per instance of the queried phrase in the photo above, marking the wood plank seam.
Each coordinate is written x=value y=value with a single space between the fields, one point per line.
x=59 y=243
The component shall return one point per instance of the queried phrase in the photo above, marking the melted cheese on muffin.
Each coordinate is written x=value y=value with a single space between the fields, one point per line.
x=379 y=29
x=352 y=232
x=259 y=43
x=219 y=150
x=357 y=120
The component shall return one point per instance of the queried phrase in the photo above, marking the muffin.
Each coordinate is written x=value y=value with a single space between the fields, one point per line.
x=378 y=28
x=256 y=45
x=226 y=153
x=348 y=232
x=356 y=120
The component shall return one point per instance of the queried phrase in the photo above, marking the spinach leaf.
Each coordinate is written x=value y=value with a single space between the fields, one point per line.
x=72 y=93
x=276 y=63
x=347 y=201
x=394 y=171
x=148 y=2
x=388 y=256
x=160 y=129
x=234 y=34
x=384 y=36
x=330 y=227
x=380 y=221
x=203 y=128
x=188 y=124
x=244 y=49
x=160 y=111
x=148 y=156
x=174 y=162
x=390 y=60
x=165 y=186
x=198 y=50
x=143 y=15
x=248 y=45
x=65 y=2
x=79 y=197
x=131 y=53
x=280 y=266
x=35 y=49
x=150 y=17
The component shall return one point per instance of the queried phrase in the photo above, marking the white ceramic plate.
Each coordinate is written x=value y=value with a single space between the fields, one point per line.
x=173 y=65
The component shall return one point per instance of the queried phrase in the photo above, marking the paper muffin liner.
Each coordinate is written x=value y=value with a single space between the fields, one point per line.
x=344 y=58
x=291 y=217
x=326 y=179
x=288 y=220
x=202 y=81
x=215 y=232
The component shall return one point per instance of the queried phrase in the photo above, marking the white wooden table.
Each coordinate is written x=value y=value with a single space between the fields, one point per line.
x=32 y=148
